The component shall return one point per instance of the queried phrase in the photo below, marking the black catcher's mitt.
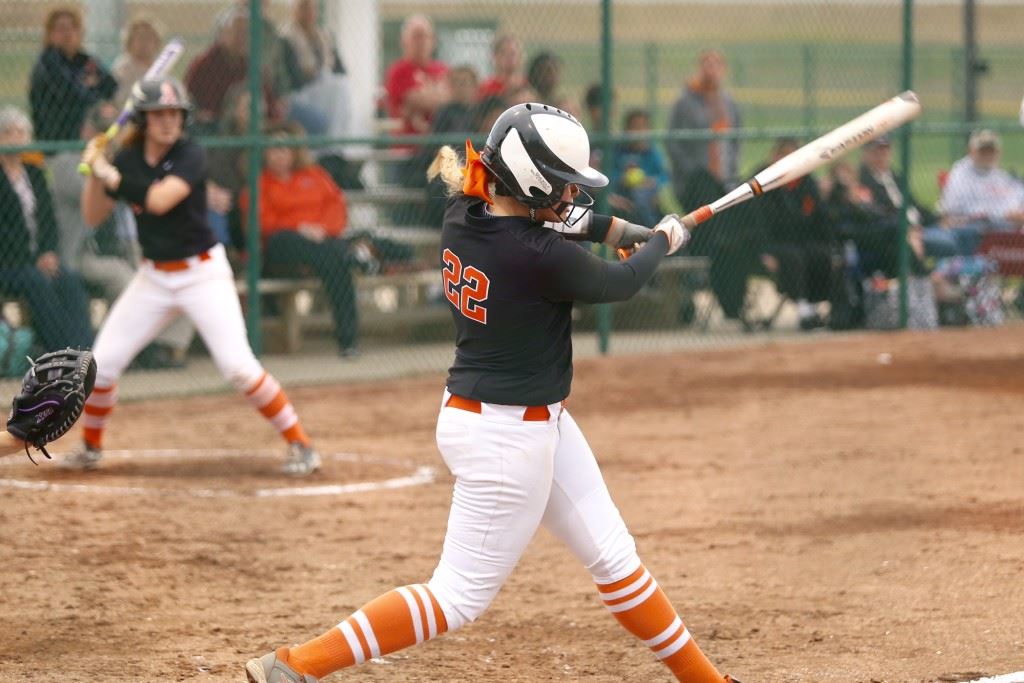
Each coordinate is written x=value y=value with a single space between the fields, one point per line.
x=52 y=397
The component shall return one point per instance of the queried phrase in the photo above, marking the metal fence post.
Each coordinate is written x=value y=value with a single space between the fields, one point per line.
x=809 y=85
x=651 y=76
x=604 y=311
x=255 y=151
x=908 y=82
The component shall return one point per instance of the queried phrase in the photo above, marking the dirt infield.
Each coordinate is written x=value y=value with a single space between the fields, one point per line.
x=817 y=512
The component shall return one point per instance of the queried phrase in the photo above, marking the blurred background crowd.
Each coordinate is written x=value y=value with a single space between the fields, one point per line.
x=375 y=87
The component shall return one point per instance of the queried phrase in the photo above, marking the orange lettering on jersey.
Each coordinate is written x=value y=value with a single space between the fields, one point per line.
x=451 y=275
x=465 y=288
x=474 y=292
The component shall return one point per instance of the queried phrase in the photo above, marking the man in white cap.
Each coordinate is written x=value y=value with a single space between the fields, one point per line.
x=979 y=196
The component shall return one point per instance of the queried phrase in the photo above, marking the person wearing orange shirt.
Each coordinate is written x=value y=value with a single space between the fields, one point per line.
x=302 y=217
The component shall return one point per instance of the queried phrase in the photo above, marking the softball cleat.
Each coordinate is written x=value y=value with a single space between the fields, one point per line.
x=302 y=461
x=270 y=669
x=82 y=459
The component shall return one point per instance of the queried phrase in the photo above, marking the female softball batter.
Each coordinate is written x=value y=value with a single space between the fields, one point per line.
x=162 y=175
x=518 y=458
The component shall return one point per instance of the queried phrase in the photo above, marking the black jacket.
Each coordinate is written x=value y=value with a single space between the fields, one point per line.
x=795 y=215
x=59 y=95
x=884 y=202
x=15 y=249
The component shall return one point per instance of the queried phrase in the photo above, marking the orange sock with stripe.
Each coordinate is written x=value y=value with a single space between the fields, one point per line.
x=269 y=398
x=97 y=411
x=405 y=616
x=643 y=609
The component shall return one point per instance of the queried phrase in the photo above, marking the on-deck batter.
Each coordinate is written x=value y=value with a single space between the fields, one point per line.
x=162 y=176
x=518 y=457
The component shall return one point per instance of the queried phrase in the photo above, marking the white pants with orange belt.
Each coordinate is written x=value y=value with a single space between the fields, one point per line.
x=511 y=477
x=203 y=289
x=204 y=292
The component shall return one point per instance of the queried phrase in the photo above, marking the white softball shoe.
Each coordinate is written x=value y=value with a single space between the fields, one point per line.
x=82 y=459
x=270 y=669
x=302 y=461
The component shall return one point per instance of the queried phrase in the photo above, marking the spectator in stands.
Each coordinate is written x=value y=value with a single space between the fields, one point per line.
x=873 y=228
x=141 y=42
x=507 y=54
x=222 y=65
x=226 y=171
x=593 y=102
x=316 y=76
x=545 y=77
x=106 y=256
x=488 y=111
x=884 y=184
x=65 y=80
x=638 y=174
x=979 y=196
x=702 y=168
x=459 y=115
x=275 y=73
x=302 y=217
x=416 y=83
x=29 y=265
x=519 y=95
x=800 y=242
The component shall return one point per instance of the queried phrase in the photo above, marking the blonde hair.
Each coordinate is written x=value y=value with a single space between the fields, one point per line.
x=448 y=166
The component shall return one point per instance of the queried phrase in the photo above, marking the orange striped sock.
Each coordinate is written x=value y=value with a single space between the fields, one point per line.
x=269 y=398
x=405 y=616
x=639 y=604
x=97 y=411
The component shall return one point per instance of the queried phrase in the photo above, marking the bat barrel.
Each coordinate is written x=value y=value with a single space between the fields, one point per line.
x=868 y=126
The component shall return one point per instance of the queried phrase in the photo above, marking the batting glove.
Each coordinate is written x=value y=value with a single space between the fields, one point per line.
x=677 y=235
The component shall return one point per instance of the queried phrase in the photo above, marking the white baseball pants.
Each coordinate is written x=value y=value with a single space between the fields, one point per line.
x=205 y=292
x=512 y=476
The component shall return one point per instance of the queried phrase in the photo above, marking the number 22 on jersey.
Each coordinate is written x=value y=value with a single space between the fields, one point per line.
x=466 y=287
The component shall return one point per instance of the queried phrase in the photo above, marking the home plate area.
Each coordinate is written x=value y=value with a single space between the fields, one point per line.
x=212 y=473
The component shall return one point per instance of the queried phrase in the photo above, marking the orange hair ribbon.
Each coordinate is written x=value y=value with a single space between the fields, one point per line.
x=475 y=176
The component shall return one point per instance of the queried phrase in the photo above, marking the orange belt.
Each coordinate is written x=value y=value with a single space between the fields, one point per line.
x=531 y=414
x=175 y=266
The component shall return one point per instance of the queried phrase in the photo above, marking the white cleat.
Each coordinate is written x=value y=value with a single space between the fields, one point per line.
x=302 y=461
x=82 y=459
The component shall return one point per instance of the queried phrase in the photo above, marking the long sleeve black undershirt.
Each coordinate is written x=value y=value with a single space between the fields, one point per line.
x=570 y=273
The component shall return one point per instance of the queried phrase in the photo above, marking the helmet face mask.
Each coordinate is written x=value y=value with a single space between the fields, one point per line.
x=536 y=151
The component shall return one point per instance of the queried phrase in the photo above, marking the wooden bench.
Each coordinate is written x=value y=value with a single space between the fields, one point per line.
x=387 y=303
x=288 y=295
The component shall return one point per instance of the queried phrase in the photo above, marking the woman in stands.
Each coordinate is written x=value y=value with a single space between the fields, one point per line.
x=302 y=217
x=162 y=175
x=29 y=265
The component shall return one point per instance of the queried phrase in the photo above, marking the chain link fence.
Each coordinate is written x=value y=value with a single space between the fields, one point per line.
x=354 y=97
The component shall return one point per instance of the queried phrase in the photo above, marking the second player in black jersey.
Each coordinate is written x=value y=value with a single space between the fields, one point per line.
x=161 y=174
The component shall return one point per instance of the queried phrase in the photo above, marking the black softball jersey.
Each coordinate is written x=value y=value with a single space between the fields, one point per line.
x=184 y=230
x=511 y=284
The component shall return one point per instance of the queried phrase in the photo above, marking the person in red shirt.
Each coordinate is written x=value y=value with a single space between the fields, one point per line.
x=507 y=53
x=416 y=83
x=303 y=215
x=212 y=73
